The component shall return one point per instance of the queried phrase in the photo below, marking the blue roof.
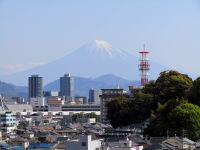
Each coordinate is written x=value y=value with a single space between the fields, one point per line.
x=41 y=145
x=17 y=148
x=3 y=145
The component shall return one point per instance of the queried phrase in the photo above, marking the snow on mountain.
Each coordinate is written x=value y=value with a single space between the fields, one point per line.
x=93 y=59
x=103 y=48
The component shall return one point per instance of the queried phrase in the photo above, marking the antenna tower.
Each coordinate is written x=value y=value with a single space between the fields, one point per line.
x=144 y=67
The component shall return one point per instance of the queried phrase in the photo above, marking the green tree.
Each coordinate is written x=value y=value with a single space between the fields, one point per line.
x=150 y=88
x=118 y=111
x=122 y=111
x=186 y=116
x=160 y=121
x=81 y=115
x=172 y=85
x=141 y=106
x=91 y=115
x=76 y=116
x=195 y=92
x=155 y=100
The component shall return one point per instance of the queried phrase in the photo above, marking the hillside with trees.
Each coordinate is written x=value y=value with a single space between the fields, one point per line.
x=171 y=102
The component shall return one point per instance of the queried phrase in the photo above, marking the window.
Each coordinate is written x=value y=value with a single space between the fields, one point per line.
x=83 y=143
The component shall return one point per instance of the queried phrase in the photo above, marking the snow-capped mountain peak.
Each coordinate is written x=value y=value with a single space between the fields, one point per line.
x=102 y=45
x=103 y=48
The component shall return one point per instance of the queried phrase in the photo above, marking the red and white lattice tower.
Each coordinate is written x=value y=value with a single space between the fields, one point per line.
x=144 y=67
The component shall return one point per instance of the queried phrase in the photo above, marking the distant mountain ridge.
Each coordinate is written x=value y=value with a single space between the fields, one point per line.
x=82 y=86
x=93 y=59
x=8 y=90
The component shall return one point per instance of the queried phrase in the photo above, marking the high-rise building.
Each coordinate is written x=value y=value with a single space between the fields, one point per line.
x=94 y=96
x=35 y=84
x=67 y=87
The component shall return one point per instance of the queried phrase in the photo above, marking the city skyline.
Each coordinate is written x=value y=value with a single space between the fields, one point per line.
x=53 y=29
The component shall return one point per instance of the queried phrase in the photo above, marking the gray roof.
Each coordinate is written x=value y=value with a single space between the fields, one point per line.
x=188 y=140
x=154 y=147
x=19 y=108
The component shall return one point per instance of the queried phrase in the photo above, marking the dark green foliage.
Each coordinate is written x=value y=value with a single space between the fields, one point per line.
x=87 y=115
x=76 y=116
x=91 y=115
x=195 y=92
x=118 y=111
x=123 y=111
x=187 y=117
x=160 y=122
x=172 y=85
x=169 y=90
x=150 y=88
x=165 y=102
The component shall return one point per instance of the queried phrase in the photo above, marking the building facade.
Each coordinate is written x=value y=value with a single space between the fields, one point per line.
x=7 y=122
x=55 y=103
x=94 y=96
x=81 y=108
x=84 y=99
x=85 y=143
x=18 y=99
x=37 y=101
x=108 y=95
x=67 y=87
x=35 y=85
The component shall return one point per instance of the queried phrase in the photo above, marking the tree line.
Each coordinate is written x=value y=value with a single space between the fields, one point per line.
x=171 y=102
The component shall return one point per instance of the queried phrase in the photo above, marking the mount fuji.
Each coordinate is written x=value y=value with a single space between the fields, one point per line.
x=91 y=60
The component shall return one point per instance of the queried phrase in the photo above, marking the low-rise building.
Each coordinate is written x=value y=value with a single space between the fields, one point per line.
x=85 y=143
x=81 y=108
x=126 y=145
x=22 y=142
x=55 y=103
x=37 y=101
x=7 y=122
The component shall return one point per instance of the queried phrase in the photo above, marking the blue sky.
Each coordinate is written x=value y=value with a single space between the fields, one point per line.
x=35 y=32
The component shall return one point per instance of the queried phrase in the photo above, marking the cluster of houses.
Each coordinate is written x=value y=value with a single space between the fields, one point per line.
x=56 y=131
x=41 y=130
x=25 y=127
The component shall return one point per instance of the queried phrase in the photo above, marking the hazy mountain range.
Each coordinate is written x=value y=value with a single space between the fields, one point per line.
x=8 y=90
x=93 y=59
x=94 y=65
x=82 y=85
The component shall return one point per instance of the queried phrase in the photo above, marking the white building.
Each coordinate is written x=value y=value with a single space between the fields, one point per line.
x=7 y=122
x=126 y=145
x=19 y=142
x=37 y=101
x=85 y=143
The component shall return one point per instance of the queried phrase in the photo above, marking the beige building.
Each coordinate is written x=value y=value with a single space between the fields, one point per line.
x=55 y=103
